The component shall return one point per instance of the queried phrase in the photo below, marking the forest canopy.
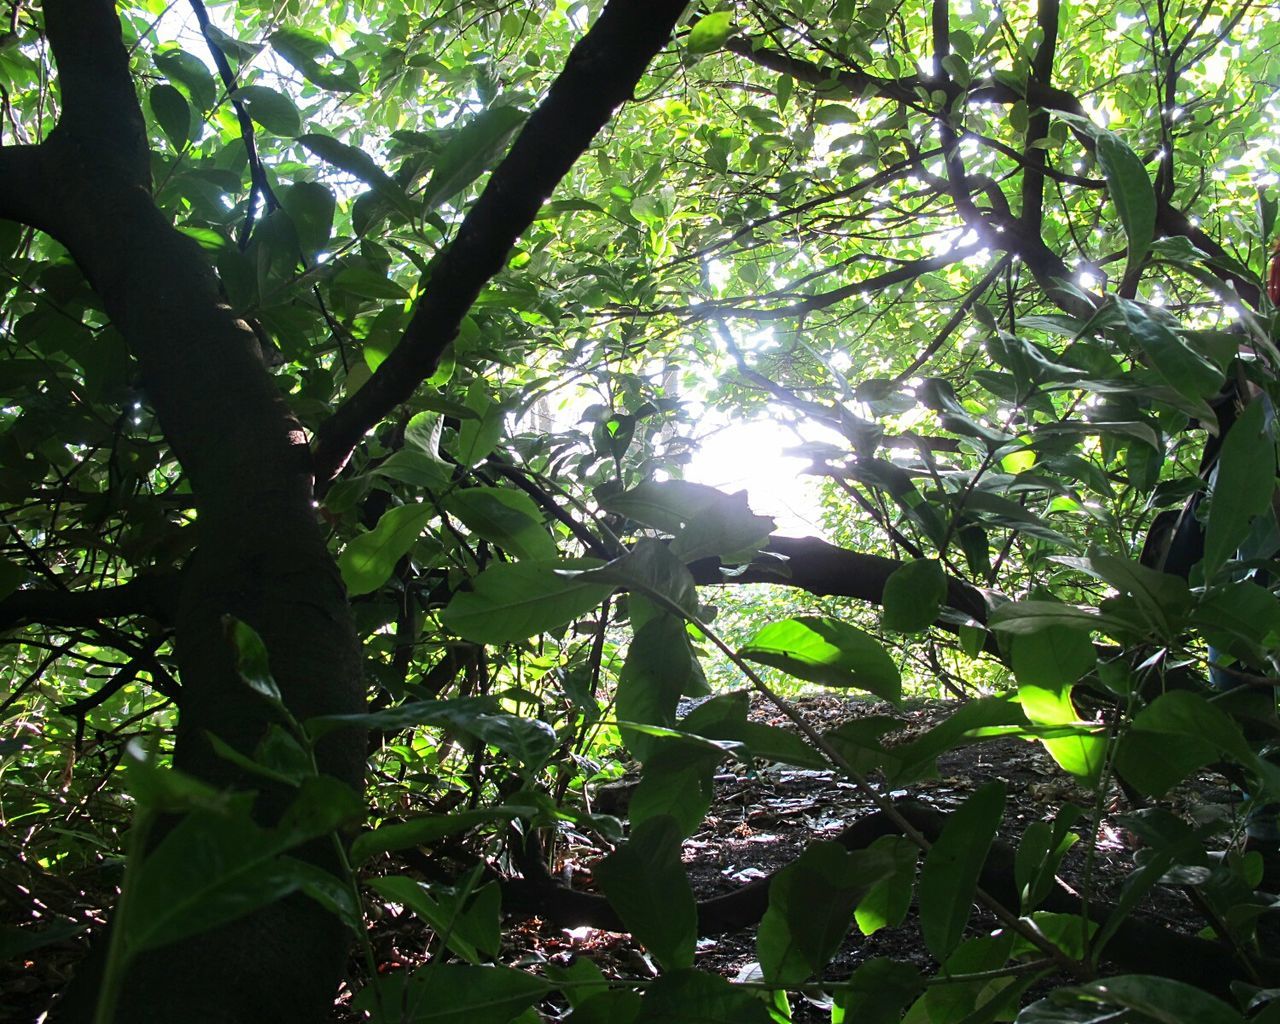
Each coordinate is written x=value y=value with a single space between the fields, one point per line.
x=357 y=356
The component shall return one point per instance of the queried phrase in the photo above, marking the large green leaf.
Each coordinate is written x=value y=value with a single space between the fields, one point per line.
x=705 y=521
x=652 y=570
x=1242 y=487
x=442 y=993
x=660 y=666
x=826 y=651
x=877 y=993
x=273 y=110
x=512 y=601
x=508 y=518
x=360 y=164
x=710 y=31
x=646 y=884
x=368 y=560
x=190 y=72
x=811 y=905
x=473 y=150
x=213 y=868
x=695 y=997
x=1161 y=1000
x=913 y=595
x=952 y=867
x=172 y=113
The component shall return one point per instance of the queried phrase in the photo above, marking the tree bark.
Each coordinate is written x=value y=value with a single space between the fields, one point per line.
x=261 y=555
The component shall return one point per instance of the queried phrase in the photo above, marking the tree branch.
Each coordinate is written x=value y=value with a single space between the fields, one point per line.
x=155 y=596
x=22 y=195
x=1036 y=159
x=100 y=109
x=829 y=571
x=812 y=303
x=600 y=74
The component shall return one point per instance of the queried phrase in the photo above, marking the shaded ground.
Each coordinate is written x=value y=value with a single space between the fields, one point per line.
x=757 y=823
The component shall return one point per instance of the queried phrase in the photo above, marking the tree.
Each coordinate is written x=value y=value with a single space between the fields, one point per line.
x=351 y=254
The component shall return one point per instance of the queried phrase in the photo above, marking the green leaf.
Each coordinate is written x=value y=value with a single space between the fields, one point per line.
x=913 y=596
x=1187 y=372
x=1040 y=851
x=1046 y=664
x=508 y=518
x=232 y=47
x=368 y=561
x=187 y=70
x=1131 y=191
x=442 y=993
x=310 y=207
x=710 y=32
x=479 y=435
x=252 y=663
x=887 y=902
x=514 y=601
x=652 y=570
x=11 y=577
x=1243 y=486
x=472 y=150
x=1027 y=617
x=646 y=884
x=305 y=51
x=1177 y=733
x=473 y=932
x=695 y=997
x=271 y=109
x=172 y=114
x=877 y=993
x=677 y=782
x=826 y=651
x=424 y=831
x=368 y=284
x=953 y=865
x=1163 y=1000
x=706 y=521
x=811 y=906
x=359 y=164
x=416 y=468
x=1128 y=184
x=211 y=869
x=660 y=666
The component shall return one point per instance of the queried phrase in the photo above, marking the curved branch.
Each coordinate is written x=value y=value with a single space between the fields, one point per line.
x=600 y=74
x=829 y=571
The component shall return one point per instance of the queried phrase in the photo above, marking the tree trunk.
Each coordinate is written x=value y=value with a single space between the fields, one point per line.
x=261 y=555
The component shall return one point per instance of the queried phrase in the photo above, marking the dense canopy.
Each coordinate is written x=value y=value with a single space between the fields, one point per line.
x=356 y=356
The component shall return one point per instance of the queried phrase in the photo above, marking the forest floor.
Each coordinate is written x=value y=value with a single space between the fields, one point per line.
x=758 y=822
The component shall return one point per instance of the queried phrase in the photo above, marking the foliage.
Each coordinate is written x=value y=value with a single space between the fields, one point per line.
x=1004 y=268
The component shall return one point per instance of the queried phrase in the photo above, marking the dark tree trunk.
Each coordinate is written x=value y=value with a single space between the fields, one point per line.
x=261 y=555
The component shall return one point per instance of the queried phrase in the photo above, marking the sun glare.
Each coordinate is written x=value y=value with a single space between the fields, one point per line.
x=751 y=456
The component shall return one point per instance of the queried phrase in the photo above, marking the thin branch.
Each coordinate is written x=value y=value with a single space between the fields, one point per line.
x=962 y=311
x=599 y=75
x=259 y=185
x=899 y=275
